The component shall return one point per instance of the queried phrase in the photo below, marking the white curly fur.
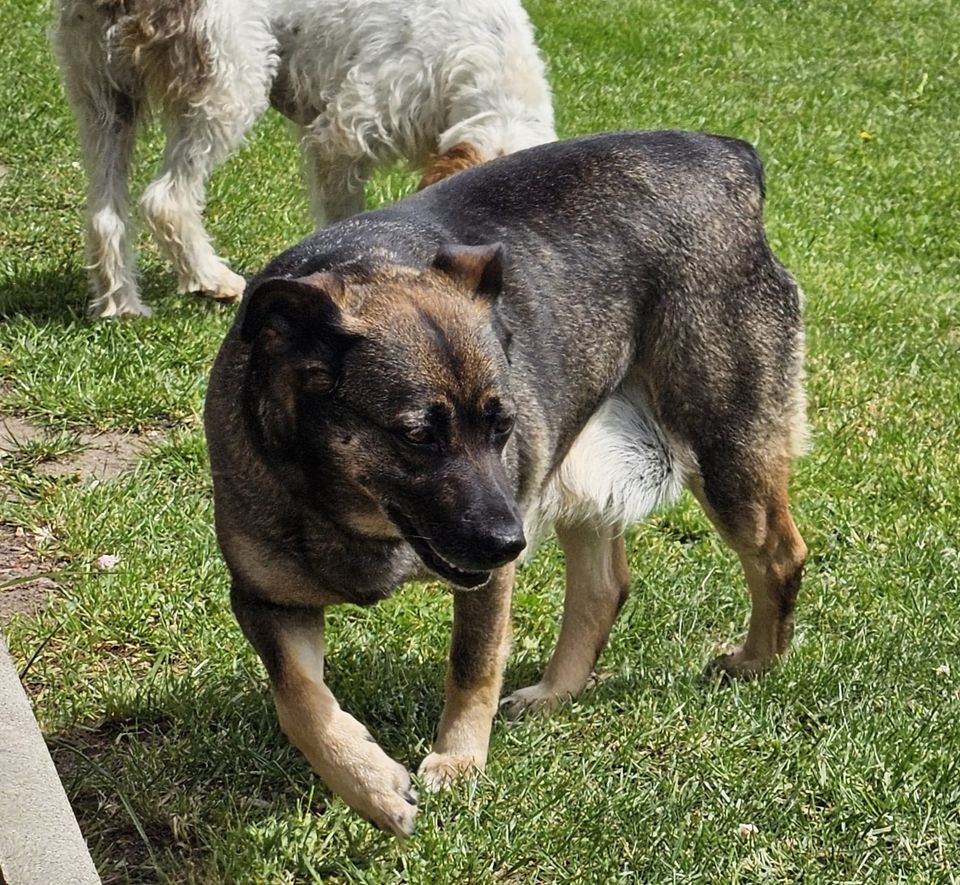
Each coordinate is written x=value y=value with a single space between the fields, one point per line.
x=366 y=82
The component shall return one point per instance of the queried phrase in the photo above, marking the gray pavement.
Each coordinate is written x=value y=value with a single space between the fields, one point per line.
x=40 y=842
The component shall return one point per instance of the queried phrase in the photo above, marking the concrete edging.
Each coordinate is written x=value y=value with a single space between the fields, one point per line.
x=40 y=841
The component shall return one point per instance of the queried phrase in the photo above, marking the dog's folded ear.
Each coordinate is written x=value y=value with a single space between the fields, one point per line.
x=299 y=338
x=282 y=310
x=297 y=323
x=478 y=269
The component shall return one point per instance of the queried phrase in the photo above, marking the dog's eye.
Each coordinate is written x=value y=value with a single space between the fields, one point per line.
x=503 y=425
x=419 y=436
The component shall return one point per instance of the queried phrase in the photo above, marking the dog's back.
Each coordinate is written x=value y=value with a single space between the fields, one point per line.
x=658 y=232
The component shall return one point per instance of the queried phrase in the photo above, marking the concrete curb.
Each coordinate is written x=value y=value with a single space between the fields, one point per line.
x=40 y=842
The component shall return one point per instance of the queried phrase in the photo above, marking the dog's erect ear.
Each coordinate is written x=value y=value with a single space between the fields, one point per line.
x=478 y=269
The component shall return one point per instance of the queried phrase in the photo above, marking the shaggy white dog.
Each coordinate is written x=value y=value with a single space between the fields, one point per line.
x=442 y=84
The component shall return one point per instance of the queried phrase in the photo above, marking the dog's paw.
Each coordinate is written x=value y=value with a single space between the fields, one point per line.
x=392 y=804
x=224 y=285
x=736 y=665
x=111 y=307
x=440 y=770
x=228 y=288
x=537 y=698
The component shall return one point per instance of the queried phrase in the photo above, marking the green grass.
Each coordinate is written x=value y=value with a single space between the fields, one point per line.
x=844 y=760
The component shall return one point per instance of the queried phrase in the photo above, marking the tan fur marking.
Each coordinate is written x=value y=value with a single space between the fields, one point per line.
x=403 y=301
x=461 y=156
x=772 y=554
x=261 y=568
x=598 y=580
x=167 y=46
x=337 y=746
x=478 y=652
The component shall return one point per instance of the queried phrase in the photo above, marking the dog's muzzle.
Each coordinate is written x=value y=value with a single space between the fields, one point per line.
x=475 y=555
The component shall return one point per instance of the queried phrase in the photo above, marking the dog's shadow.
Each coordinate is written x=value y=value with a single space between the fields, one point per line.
x=56 y=298
x=147 y=779
x=60 y=298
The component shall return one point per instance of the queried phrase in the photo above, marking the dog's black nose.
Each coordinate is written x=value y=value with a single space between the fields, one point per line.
x=503 y=542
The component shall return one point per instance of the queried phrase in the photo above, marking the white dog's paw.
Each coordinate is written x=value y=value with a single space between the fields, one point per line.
x=440 y=770
x=221 y=285
x=229 y=287
x=115 y=306
x=537 y=698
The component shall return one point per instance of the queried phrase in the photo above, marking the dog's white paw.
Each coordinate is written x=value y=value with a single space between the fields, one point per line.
x=224 y=285
x=440 y=770
x=229 y=288
x=537 y=698
x=111 y=307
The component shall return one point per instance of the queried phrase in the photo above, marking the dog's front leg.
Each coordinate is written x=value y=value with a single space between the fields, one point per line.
x=340 y=749
x=478 y=651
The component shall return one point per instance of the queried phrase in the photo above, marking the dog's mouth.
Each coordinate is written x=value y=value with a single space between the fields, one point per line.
x=433 y=560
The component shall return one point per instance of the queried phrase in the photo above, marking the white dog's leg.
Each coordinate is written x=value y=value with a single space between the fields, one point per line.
x=107 y=138
x=107 y=122
x=172 y=204
x=337 y=183
x=206 y=123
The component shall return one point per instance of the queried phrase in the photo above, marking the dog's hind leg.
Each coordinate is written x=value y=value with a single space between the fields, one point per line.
x=478 y=651
x=107 y=119
x=750 y=510
x=598 y=581
x=337 y=746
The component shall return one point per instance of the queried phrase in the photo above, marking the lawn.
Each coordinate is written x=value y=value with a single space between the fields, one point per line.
x=841 y=766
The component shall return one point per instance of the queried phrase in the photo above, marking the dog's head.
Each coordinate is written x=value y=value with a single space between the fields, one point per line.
x=391 y=391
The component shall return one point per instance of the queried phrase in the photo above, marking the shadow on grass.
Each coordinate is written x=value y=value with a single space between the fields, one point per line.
x=170 y=778
x=55 y=297
x=60 y=298
x=160 y=780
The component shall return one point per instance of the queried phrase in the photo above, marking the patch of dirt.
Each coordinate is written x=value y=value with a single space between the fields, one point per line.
x=102 y=456
x=20 y=562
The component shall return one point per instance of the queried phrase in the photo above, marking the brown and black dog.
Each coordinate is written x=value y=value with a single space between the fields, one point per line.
x=565 y=337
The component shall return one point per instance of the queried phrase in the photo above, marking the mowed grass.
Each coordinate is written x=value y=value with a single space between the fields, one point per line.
x=841 y=766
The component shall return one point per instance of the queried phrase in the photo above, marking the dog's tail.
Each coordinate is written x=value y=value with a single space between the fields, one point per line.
x=750 y=161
